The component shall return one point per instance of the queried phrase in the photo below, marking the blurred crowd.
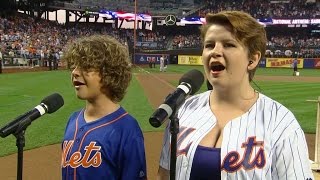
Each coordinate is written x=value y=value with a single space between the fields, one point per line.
x=266 y=8
x=31 y=38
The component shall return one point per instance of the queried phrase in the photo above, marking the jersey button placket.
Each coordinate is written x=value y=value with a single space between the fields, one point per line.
x=81 y=131
x=80 y=134
x=185 y=164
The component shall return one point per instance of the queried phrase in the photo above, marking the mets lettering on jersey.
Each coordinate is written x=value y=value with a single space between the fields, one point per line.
x=91 y=157
x=184 y=133
x=233 y=161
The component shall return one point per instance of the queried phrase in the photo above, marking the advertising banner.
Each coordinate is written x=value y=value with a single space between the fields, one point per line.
x=145 y=58
x=189 y=60
x=282 y=62
x=308 y=63
x=147 y=44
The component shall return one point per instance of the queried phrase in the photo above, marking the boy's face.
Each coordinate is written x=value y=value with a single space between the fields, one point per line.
x=87 y=84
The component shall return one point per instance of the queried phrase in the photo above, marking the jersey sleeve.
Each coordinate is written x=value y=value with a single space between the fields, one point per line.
x=165 y=152
x=134 y=161
x=292 y=159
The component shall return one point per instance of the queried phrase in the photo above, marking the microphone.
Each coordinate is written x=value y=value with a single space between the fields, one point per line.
x=49 y=105
x=189 y=83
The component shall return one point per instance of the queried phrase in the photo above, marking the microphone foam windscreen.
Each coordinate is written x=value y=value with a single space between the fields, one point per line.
x=53 y=102
x=193 y=77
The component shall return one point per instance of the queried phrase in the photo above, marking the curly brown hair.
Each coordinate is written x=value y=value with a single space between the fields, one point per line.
x=244 y=27
x=106 y=55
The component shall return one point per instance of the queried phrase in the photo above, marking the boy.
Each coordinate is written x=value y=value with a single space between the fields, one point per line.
x=102 y=141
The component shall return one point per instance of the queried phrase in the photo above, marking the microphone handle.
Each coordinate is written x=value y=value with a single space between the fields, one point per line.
x=14 y=125
x=172 y=103
x=158 y=117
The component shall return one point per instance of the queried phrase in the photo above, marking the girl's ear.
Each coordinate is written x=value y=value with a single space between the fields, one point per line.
x=253 y=63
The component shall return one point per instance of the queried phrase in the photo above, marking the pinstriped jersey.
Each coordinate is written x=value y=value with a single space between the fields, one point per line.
x=265 y=143
x=111 y=148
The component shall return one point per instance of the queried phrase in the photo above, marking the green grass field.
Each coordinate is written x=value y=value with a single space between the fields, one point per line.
x=21 y=92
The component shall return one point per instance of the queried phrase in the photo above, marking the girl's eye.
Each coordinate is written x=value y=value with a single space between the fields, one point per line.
x=209 y=46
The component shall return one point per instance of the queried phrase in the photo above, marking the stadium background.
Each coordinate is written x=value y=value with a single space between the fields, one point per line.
x=27 y=41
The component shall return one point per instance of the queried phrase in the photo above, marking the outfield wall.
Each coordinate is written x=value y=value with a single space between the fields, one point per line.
x=146 y=58
x=306 y=63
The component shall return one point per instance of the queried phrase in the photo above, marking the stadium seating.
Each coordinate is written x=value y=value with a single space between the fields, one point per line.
x=26 y=37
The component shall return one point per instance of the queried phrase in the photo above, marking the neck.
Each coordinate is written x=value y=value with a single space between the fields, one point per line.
x=97 y=109
x=242 y=97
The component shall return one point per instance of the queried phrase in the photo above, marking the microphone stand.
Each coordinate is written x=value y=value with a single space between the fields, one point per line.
x=20 y=143
x=174 y=130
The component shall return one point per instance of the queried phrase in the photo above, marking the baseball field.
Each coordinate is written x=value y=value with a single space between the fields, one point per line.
x=22 y=91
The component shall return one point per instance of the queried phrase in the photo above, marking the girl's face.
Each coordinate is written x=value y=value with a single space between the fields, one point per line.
x=225 y=59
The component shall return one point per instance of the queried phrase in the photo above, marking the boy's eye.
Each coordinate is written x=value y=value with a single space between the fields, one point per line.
x=229 y=45
x=72 y=67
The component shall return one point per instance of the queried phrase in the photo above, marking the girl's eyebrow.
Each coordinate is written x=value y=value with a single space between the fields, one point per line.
x=224 y=41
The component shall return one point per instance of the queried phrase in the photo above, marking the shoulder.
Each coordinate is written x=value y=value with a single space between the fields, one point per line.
x=131 y=122
x=281 y=120
x=273 y=106
x=128 y=125
x=194 y=102
x=74 y=115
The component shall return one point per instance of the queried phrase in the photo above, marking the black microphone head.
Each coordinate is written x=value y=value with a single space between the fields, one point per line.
x=53 y=102
x=193 y=77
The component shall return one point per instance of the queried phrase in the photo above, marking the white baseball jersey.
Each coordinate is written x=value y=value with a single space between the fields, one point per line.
x=266 y=142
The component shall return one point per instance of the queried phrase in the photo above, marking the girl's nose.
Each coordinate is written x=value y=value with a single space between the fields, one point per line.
x=216 y=51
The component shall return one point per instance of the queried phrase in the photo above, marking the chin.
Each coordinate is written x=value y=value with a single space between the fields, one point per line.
x=217 y=82
x=80 y=96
